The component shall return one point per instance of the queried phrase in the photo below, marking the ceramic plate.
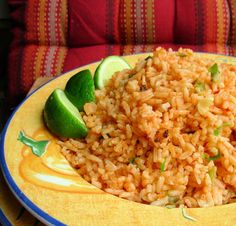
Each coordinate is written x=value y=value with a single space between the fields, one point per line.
x=51 y=190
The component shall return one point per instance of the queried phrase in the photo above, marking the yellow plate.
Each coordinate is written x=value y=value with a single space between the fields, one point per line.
x=53 y=192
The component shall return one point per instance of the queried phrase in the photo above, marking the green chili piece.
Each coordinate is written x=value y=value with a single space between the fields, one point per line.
x=182 y=55
x=132 y=160
x=199 y=86
x=162 y=167
x=215 y=73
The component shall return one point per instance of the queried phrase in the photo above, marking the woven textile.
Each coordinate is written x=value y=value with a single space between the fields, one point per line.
x=40 y=43
x=203 y=22
x=46 y=22
x=53 y=36
x=146 y=22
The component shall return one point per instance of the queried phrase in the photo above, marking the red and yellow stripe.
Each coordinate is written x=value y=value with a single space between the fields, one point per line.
x=137 y=23
x=46 y=22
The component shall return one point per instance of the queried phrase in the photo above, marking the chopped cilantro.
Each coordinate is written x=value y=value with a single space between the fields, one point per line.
x=215 y=73
x=170 y=206
x=182 y=55
x=226 y=124
x=199 y=86
x=213 y=158
x=173 y=199
x=149 y=57
x=132 y=160
x=212 y=173
x=162 y=167
x=205 y=156
x=216 y=157
x=217 y=131
x=131 y=75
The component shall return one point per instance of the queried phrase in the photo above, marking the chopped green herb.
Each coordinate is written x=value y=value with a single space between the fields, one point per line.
x=214 y=158
x=130 y=76
x=217 y=131
x=132 y=160
x=182 y=55
x=170 y=206
x=214 y=69
x=227 y=124
x=215 y=73
x=199 y=86
x=205 y=156
x=212 y=173
x=173 y=199
x=149 y=57
x=185 y=215
x=162 y=167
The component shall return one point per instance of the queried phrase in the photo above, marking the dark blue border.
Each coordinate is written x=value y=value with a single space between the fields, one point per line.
x=3 y=219
x=26 y=202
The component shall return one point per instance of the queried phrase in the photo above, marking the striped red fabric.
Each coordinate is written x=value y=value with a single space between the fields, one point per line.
x=93 y=22
x=232 y=35
x=203 y=22
x=146 y=21
x=46 y=22
x=39 y=47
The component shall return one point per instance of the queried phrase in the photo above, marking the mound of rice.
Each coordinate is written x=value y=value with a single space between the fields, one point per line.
x=163 y=133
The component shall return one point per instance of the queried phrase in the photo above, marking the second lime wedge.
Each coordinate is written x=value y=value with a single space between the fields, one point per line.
x=62 y=117
x=80 y=89
x=107 y=68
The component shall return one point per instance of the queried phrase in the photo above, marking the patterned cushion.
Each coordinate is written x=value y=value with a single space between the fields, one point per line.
x=201 y=22
x=46 y=22
x=127 y=22
x=146 y=22
x=93 y=22
x=53 y=36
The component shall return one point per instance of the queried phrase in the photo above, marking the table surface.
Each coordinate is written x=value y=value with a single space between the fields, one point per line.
x=11 y=211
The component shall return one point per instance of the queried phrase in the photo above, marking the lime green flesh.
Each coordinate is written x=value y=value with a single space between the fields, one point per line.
x=107 y=68
x=62 y=117
x=68 y=105
x=80 y=89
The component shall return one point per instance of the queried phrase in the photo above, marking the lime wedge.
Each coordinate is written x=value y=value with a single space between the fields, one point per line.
x=80 y=89
x=62 y=117
x=107 y=68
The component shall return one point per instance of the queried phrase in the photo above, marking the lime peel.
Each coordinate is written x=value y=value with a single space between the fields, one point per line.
x=107 y=68
x=62 y=117
x=80 y=89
